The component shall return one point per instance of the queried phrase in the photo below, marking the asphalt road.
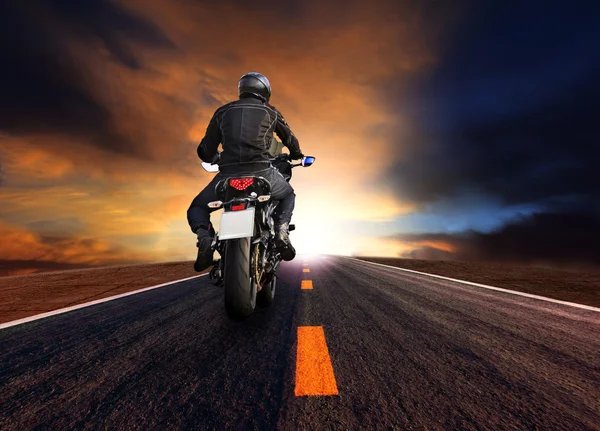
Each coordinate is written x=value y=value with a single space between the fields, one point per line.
x=407 y=351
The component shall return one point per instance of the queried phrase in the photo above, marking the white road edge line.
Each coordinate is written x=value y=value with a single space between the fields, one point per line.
x=485 y=286
x=88 y=304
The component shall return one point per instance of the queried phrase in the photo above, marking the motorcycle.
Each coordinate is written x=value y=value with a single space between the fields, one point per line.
x=249 y=259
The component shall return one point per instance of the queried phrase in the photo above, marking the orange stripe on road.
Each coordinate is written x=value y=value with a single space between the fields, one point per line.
x=306 y=270
x=314 y=372
x=306 y=284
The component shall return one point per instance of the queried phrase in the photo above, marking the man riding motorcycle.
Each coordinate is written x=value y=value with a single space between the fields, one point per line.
x=245 y=129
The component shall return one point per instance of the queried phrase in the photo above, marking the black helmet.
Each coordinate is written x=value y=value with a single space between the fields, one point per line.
x=256 y=84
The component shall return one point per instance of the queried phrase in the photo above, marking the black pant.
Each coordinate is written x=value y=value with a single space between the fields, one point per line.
x=199 y=213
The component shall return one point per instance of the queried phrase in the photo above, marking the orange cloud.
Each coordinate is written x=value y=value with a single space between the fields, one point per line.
x=37 y=163
x=325 y=68
x=21 y=244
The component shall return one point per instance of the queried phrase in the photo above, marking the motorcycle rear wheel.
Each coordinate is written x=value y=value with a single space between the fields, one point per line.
x=240 y=289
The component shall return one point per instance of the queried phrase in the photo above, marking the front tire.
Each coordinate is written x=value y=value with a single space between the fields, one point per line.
x=240 y=289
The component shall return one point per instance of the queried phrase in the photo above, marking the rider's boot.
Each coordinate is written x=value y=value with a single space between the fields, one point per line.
x=205 y=252
x=282 y=241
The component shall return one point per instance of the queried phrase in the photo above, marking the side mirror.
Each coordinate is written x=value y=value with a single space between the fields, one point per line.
x=209 y=167
x=307 y=161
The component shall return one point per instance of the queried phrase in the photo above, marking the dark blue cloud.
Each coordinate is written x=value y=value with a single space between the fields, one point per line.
x=509 y=114
x=569 y=238
x=510 y=110
x=113 y=25
x=510 y=59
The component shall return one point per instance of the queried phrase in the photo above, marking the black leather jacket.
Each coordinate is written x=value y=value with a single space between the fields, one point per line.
x=245 y=128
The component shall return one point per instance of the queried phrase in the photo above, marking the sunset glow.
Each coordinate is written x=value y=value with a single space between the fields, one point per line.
x=411 y=126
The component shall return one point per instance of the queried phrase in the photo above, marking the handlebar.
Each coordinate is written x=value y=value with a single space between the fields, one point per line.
x=283 y=157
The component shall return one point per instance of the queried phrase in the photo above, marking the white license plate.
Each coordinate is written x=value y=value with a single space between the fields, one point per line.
x=237 y=224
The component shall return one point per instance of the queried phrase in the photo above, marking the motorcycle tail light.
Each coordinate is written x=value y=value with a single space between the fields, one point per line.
x=238 y=207
x=241 y=183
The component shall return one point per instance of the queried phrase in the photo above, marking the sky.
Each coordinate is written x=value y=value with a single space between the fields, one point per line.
x=442 y=130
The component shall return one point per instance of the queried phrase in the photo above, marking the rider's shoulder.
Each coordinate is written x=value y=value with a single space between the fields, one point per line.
x=225 y=106
x=273 y=108
x=221 y=110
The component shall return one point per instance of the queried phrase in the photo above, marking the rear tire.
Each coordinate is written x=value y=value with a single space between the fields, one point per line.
x=240 y=289
x=265 y=296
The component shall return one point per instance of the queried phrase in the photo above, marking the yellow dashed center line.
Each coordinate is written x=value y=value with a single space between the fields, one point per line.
x=306 y=285
x=314 y=372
